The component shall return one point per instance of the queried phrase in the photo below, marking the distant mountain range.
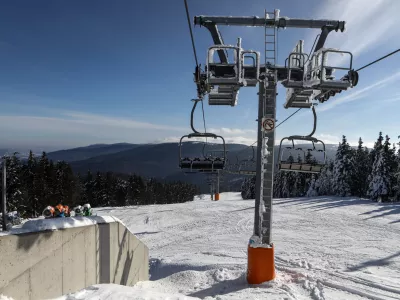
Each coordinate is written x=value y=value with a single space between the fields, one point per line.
x=158 y=160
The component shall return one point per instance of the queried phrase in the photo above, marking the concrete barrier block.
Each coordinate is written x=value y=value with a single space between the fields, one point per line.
x=97 y=241
x=91 y=264
x=123 y=257
x=137 y=263
x=23 y=290
x=73 y=259
x=46 y=277
x=104 y=253
x=28 y=248
x=48 y=264
x=114 y=249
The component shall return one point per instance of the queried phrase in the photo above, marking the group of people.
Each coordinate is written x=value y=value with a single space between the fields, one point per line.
x=61 y=211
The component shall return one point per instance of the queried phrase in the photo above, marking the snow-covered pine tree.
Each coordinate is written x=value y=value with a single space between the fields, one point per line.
x=324 y=181
x=362 y=168
x=343 y=169
x=380 y=177
x=312 y=190
x=396 y=187
x=287 y=181
x=278 y=180
x=248 y=188
x=390 y=153
x=14 y=190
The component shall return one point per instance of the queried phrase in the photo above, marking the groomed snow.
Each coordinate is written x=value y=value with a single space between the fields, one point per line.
x=325 y=248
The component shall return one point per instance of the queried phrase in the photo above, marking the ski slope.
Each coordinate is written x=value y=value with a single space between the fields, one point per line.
x=326 y=248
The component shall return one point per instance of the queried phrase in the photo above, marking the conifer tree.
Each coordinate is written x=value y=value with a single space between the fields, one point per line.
x=324 y=183
x=361 y=171
x=343 y=169
x=379 y=179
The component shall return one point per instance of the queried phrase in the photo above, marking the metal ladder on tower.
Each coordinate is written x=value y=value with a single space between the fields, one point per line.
x=268 y=137
x=270 y=39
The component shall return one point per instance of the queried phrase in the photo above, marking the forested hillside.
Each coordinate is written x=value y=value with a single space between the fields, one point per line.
x=362 y=172
x=38 y=182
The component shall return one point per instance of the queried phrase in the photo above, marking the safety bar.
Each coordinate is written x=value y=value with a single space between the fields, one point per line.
x=237 y=62
x=302 y=138
x=314 y=65
x=257 y=64
x=289 y=59
x=203 y=135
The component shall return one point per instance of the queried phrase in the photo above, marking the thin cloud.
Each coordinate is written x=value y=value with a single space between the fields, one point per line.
x=365 y=30
x=93 y=119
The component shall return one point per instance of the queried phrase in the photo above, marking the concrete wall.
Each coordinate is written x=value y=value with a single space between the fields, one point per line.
x=51 y=263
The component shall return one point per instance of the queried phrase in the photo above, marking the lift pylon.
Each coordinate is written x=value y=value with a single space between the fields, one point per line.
x=261 y=266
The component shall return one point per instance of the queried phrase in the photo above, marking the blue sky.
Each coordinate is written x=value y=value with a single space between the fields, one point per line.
x=75 y=73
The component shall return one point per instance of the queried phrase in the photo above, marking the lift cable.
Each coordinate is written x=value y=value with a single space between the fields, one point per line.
x=383 y=57
x=191 y=33
x=287 y=118
x=195 y=57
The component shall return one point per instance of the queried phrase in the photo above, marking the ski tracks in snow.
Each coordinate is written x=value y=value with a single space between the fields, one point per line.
x=320 y=254
x=314 y=282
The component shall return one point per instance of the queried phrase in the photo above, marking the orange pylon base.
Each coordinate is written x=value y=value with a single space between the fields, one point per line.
x=261 y=265
x=216 y=197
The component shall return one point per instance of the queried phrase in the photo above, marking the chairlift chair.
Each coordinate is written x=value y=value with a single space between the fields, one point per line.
x=201 y=163
x=304 y=166
x=219 y=73
x=318 y=75
x=224 y=80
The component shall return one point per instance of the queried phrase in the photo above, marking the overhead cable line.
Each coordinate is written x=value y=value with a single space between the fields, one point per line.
x=195 y=57
x=191 y=33
x=375 y=61
x=287 y=118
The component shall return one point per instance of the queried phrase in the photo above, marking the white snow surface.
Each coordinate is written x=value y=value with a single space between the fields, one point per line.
x=325 y=248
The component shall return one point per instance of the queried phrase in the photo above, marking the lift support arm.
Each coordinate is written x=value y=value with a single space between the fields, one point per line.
x=217 y=38
x=262 y=22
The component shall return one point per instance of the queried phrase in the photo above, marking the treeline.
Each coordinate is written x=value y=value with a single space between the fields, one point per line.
x=361 y=172
x=38 y=182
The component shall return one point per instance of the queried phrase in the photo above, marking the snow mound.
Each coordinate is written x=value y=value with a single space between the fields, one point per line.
x=42 y=224
x=69 y=222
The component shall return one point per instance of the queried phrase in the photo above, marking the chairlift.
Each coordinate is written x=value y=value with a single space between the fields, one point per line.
x=204 y=163
x=319 y=76
x=219 y=73
x=309 y=78
x=247 y=165
x=304 y=166
x=224 y=79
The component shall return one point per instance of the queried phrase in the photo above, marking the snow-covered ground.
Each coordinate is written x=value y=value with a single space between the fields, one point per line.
x=326 y=248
